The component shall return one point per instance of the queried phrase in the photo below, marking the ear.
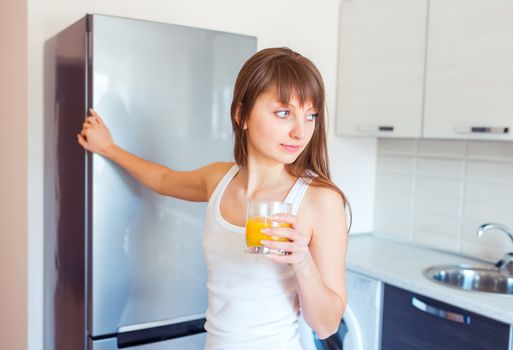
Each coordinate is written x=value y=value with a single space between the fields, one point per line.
x=237 y=118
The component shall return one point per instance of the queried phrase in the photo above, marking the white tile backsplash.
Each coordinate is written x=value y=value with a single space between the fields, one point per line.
x=399 y=183
x=444 y=243
x=402 y=164
x=436 y=186
x=396 y=209
x=441 y=149
x=437 y=192
x=446 y=206
x=486 y=211
x=392 y=201
x=490 y=150
x=436 y=225
x=500 y=194
x=397 y=146
x=440 y=167
x=490 y=171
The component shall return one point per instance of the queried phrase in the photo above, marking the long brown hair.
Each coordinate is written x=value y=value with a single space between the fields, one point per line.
x=289 y=74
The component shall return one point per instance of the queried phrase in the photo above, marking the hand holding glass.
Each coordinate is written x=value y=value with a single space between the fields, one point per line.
x=259 y=217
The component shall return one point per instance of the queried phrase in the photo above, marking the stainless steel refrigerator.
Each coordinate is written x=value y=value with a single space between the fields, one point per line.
x=124 y=266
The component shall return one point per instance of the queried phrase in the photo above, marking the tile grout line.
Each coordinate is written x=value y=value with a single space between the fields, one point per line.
x=414 y=192
x=463 y=197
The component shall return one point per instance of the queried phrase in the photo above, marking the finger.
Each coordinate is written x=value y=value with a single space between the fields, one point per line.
x=92 y=120
x=82 y=141
x=291 y=247
x=279 y=232
x=285 y=259
x=289 y=233
x=93 y=112
x=96 y=115
x=285 y=246
x=285 y=218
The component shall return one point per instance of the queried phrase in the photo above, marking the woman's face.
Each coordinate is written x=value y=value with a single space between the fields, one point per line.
x=279 y=132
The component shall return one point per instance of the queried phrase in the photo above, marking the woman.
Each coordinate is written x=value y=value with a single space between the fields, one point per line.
x=278 y=119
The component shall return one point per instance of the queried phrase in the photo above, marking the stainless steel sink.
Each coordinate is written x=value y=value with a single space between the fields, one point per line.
x=472 y=278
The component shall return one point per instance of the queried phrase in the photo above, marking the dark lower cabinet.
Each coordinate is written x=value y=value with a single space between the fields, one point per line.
x=412 y=321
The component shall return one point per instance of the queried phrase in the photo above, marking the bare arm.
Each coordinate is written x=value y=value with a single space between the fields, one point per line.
x=318 y=261
x=188 y=185
x=321 y=280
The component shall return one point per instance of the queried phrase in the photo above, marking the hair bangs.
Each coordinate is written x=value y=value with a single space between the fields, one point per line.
x=290 y=80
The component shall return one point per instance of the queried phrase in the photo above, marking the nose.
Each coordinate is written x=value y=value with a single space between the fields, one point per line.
x=298 y=131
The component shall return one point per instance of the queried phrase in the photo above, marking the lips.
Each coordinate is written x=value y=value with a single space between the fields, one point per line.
x=290 y=148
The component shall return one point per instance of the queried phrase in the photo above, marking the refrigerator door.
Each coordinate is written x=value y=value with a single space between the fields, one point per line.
x=192 y=342
x=164 y=91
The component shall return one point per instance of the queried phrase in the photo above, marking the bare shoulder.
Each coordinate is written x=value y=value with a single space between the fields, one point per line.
x=325 y=200
x=324 y=210
x=213 y=173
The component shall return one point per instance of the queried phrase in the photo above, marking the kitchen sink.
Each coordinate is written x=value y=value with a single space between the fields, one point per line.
x=487 y=279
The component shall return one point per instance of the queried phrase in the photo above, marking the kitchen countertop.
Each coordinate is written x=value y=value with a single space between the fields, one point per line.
x=401 y=264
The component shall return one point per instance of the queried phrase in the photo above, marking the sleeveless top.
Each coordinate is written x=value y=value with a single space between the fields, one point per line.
x=252 y=300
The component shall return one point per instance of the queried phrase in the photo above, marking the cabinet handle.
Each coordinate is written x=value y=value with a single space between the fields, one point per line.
x=374 y=128
x=448 y=315
x=481 y=130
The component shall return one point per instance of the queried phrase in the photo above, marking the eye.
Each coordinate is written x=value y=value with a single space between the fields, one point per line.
x=282 y=114
x=312 y=116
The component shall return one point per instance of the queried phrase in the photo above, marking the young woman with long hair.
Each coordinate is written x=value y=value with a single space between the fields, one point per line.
x=280 y=151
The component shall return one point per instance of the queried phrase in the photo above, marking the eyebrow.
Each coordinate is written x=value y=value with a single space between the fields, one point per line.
x=293 y=105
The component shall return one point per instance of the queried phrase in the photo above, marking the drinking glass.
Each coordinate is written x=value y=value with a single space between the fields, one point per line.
x=258 y=217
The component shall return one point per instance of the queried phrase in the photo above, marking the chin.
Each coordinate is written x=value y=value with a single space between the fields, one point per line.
x=288 y=159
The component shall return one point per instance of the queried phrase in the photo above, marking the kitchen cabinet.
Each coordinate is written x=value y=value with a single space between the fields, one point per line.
x=437 y=69
x=415 y=322
x=381 y=67
x=469 y=80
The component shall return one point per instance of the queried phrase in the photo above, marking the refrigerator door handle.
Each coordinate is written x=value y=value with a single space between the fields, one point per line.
x=154 y=324
x=130 y=336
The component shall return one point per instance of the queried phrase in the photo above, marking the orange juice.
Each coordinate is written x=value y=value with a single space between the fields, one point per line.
x=254 y=235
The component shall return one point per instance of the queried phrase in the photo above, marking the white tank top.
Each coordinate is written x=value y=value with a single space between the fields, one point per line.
x=252 y=300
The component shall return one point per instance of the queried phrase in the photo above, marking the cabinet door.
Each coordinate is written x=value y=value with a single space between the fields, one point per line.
x=415 y=322
x=469 y=80
x=381 y=67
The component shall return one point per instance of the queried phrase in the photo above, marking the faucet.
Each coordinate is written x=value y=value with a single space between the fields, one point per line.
x=505 y=265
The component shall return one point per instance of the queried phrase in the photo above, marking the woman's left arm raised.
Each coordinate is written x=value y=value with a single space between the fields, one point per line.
x=318 y=241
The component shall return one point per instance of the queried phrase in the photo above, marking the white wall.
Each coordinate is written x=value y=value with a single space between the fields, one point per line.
x=307 y=26
x=13 y=165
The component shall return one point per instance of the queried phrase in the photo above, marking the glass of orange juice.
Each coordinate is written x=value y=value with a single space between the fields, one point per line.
x=258 y=217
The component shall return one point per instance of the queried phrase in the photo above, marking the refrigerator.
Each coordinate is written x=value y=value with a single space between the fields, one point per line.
x=124 y=267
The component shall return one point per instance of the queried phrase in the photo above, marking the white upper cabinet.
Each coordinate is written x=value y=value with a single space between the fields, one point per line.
x=381 y=67
x=469 y=80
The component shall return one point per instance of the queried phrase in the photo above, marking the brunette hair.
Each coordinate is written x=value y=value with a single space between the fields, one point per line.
x=290 y=75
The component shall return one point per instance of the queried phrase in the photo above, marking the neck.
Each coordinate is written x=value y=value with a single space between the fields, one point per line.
x=258 y=176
